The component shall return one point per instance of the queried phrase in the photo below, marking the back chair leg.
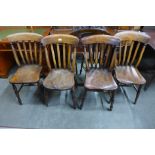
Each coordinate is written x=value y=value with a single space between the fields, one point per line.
x=76 y=69
x=112 y=94
x=17 y=94
x=81 y=65
x=108 y=101
x=74 y=98
x=83 y=98
x=148 y=83
x=138 y=93
x=45 y=96
x=76 y=83
x=38 y=86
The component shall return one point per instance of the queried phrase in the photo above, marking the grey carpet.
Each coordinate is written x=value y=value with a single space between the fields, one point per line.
x=59 y=114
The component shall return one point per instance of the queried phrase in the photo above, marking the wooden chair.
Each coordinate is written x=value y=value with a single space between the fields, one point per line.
x=131 y=51
x=27 y=53
x=99 y=50
x=85 y=32
x=60 y=52
x=112 y=30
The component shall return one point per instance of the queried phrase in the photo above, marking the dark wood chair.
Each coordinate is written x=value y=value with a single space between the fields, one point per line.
x=99 y=59
x=131 y=51
x=85 y=32
x=147 y=65
x=27 y=53
x=60 y=52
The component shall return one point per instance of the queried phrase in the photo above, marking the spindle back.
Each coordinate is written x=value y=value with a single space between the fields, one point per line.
x=26 y=48
x=99 y=51
x=132 y=47
x=59 y=49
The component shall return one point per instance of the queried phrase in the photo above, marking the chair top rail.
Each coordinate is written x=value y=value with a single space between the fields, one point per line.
x=133 y=36
x=24 y=36
x=107 y=39
x=60 y=39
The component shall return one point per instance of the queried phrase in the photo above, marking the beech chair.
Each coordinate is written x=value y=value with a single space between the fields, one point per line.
x=60 y=52
x=26 y=48
x=99 y=59
x=131 y=51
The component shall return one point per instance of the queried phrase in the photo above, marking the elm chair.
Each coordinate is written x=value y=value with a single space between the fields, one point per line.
x=26 y=48
x=86 y=31
x=131 y=51
x=60 y=52
x=99 y=59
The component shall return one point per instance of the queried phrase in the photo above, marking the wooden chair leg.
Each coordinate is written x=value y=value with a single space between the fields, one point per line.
x=74 y=98
x=112 y=94
x=148 y=83
x=76 y=69
x=81 y=65
x=76 y=83
x=38 y=87
x=108 y=101
x=83 y=98
x=45 y=96
x=138 y=93
x=17 y=94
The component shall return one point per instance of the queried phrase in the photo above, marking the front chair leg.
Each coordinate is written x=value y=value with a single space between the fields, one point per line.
x=74 y=98
x=17 y=94
x=138 y=93
x=45 y=96
x=83 y=98
x=112 y=94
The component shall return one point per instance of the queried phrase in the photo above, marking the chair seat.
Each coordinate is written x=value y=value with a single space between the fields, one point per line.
x=129 y=75
x=100 y=79
x=27 y=74
x=59 y=79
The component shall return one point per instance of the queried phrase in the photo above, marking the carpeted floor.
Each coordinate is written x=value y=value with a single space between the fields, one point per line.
x=59 y=114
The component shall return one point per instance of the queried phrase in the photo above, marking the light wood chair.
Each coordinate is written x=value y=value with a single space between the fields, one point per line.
x=26 y=48
x=99 y=50
x=131 y=51
x=60 y=52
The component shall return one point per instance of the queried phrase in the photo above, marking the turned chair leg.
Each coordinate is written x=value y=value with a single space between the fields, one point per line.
x=17 y=94
x=45 y=96
x=138 y=93
x=83 y=98
x=112 y=94
x=74 y=98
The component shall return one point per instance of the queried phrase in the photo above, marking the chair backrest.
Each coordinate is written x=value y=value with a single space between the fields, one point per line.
x=60 y=51
x=80 y=33
x=132 y=47
x=99 y=50
x=26 y=48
